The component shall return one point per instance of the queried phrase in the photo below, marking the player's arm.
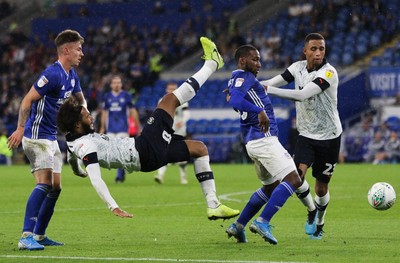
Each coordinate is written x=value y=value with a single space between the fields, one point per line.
x=103 y=120
x=313 y=88
x=75 y=165
x=24 y=111
x=276 y=81
x=135 y=115
x=93 y=169
x=237 y=101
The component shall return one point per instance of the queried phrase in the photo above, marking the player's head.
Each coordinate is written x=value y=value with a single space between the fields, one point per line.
x=74 y=118
x=314 y=50
x=170 y=87
x=69 y=47
x=247 y=58
x=116 y=83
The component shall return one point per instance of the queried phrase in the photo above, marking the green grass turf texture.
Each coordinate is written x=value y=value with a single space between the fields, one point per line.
x=170 y=222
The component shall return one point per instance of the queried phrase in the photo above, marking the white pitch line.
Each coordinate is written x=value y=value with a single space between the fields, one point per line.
x=145 y=259
x=225 y=197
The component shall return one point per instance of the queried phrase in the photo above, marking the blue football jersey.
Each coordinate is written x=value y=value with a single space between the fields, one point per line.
x=248 y=97
x=55 y=85
x=118 y=110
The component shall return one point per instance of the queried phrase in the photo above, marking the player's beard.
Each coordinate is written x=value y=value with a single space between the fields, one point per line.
x=87 y=129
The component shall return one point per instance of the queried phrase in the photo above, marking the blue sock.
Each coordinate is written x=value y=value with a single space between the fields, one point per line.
x=120 y=174
x=278 y=198
x=46 y=211
x=33 y=205
x=257 y=200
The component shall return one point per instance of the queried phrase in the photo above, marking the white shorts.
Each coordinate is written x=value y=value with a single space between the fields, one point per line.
x=271 y=159
x=43 y=154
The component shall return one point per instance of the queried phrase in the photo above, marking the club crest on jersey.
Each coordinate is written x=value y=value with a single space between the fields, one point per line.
x=73 y=83
x=239 y=82
x=42 y=81
x=329 y=73
x=150 y=120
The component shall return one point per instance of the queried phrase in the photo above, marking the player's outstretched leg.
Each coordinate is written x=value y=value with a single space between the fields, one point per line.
x=213 y=62
x=211 y=52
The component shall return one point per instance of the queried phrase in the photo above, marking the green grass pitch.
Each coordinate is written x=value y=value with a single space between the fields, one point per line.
x=170 y=223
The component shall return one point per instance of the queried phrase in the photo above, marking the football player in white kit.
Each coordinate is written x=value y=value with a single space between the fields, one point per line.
x=317 y=118
x=155 y=147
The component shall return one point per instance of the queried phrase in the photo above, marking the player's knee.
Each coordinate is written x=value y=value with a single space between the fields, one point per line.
x=198 y=149
x=294 y=179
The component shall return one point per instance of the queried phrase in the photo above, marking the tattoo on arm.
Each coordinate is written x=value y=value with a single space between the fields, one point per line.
x=23 y=116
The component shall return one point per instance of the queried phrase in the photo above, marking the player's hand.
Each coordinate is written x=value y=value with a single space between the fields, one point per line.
x=121 y=213
x=15 y=138
x=263 y=121
x=228 y=96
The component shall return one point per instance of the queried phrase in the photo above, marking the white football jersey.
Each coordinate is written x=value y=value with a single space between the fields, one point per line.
x=181 y=116
x=112 y=152
x=317 y=117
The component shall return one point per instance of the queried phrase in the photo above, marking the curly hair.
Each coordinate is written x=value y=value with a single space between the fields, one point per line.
x=69 y=115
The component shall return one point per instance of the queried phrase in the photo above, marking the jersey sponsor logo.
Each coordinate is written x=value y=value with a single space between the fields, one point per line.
x=166 y=136
x=329 y=73
x=42 y=81
x=73 y=83
x=239 y=82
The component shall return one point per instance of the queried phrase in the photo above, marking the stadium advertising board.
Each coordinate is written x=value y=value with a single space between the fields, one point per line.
x=384 y=82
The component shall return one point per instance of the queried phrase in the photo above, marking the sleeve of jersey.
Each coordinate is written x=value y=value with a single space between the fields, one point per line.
x=46 y=82
x=308 y=91
x=237 y=101
x=276 y=81
x=93 y=170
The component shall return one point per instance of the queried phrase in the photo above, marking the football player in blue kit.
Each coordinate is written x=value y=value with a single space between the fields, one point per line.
x=274 y=166
x=117 y=108
x=38 y=132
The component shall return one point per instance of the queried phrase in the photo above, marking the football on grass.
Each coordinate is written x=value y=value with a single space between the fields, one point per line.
x=381 y=196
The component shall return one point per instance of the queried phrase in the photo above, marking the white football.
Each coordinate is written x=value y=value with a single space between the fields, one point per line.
x=381 y=196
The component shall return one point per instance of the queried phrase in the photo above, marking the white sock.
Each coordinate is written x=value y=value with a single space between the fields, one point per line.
x=322 y=202
x=202 y=169
x=188 y=89
x=307 y=200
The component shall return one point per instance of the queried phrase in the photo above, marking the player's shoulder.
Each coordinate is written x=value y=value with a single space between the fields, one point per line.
x=327 y=71
x=239 y=73
x=297 y=67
